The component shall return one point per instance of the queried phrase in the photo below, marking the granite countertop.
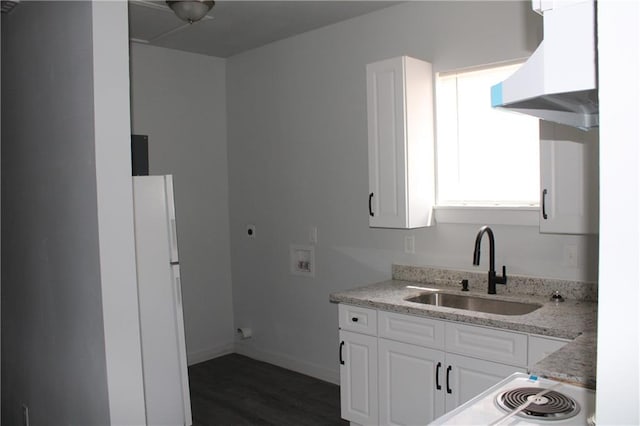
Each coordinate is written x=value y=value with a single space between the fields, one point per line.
x=573 y=320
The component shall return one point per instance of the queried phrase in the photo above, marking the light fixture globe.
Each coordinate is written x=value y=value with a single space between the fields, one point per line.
x=191 y=10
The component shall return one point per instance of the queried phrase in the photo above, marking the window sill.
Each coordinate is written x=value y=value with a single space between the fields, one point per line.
x=487 y=215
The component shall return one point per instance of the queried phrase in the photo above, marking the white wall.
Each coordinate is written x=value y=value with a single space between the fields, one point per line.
x=619 y=291
x=178 y=99
x=119 y=285
x=57 y=339
x=298 y=158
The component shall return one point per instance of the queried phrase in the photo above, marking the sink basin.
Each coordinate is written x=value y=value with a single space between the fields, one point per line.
x=471 y=303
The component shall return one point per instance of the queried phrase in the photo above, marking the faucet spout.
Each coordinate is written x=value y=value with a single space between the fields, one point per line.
x=493 y=279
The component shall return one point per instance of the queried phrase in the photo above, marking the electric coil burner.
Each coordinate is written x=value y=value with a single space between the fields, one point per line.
x=525 y=400
x=540 y=403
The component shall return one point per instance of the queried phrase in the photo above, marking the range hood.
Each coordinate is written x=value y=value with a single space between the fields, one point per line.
x=558 y=82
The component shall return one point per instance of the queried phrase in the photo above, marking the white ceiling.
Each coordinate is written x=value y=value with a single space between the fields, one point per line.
x=234 y=26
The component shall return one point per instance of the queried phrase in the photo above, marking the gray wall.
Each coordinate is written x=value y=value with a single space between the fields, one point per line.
x=53 y=351
x=70 y=333
x=298 y=158
x=179 y=100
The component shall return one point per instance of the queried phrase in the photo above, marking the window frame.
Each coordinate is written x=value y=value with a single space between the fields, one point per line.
x=521 y=214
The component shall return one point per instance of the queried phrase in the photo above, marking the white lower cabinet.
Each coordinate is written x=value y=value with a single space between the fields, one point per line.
x=410 y=370
x=409 y=382
x=418 y=385
x=467 y=377
x=359 y=378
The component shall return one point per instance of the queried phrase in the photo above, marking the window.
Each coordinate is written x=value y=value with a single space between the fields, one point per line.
x=485 y=156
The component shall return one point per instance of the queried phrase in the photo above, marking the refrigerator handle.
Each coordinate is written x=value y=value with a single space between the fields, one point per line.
x=178 y=291
x=174 y=239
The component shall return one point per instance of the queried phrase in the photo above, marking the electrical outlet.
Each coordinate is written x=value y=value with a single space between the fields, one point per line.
x=410 y=244
x=313 y=235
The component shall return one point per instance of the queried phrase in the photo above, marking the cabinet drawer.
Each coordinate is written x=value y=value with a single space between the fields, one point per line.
x=410 y=329
x=357 y=319
x=487 y=343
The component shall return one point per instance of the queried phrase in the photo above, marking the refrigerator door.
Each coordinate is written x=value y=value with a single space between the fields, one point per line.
x=161 y=322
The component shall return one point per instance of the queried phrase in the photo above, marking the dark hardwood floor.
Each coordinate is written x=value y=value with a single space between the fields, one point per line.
x=236 y=390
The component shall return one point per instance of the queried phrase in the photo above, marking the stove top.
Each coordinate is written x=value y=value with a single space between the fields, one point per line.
x=538 y=403
x=522 y=399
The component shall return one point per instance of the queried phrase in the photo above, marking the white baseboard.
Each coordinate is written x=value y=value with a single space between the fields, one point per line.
x=209 y=353
x=284 y=361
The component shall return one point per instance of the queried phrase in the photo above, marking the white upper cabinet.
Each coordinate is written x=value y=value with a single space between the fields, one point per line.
x=401 y=137
x=568 y=180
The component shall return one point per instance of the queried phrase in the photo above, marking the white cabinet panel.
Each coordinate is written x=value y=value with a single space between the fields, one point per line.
x=359 y=378
x=467 y=377
x=409 y=379
x=487 y=343
x=568 y=180
x=411 y=329
x=401 y=150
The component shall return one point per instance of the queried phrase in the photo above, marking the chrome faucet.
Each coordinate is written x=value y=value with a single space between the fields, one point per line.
x=493 y=279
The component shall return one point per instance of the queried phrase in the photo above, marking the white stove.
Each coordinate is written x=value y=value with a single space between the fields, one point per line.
x=523 y=399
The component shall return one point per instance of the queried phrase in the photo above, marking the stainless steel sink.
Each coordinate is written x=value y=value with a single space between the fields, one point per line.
x=471 y=303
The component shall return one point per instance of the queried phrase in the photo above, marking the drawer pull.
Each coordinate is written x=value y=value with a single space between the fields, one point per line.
x=354 y=319
x=438 y=387
x=448 y=371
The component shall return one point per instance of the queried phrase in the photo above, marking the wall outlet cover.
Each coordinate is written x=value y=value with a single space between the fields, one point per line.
x=302 y=260
x=410 y=244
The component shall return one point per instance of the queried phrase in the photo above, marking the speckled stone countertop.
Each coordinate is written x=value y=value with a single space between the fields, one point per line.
x=574 y=363
x=574 y=319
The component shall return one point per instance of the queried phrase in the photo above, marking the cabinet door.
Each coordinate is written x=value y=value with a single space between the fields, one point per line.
x=409 y=380
x=568 y=180
x=359 y=378
x=467 y=377
x=400 y=128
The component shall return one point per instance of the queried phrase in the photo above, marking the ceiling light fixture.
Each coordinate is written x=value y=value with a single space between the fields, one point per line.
x=191 y=10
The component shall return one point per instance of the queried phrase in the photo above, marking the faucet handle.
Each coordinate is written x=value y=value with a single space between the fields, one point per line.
x=465 y=285
x=503 y=278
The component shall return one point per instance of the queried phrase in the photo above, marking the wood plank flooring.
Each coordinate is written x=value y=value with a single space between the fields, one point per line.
x=236 y=390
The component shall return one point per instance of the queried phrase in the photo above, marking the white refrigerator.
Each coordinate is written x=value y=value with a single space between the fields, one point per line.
x=164 y=358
